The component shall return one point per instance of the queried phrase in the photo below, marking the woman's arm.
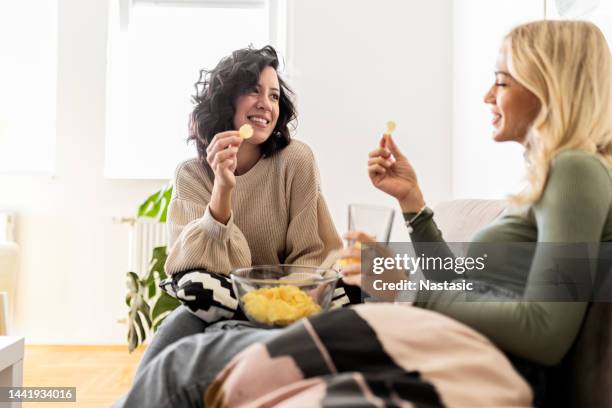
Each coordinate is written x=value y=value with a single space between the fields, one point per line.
x=391 y=172
x=573 y=209
x=570 y=211
x=221 y=156
x=196 y=238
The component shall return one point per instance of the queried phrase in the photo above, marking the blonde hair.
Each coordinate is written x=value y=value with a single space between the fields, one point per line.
x=566 y=65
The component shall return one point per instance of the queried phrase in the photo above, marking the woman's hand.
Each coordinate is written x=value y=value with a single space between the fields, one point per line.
x=350 y=257
x=221 y=155
x=222 y=158
x=351 y=269
x=391 y=172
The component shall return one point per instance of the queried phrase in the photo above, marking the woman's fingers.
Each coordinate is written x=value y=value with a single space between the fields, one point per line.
x=230 y=134
x=227 y=163
x=354 y=280
x=378 y=165
x=224 y=156
x=393 y=148
x=222 y=144
x=351 y=275
x=380 y=161
x=351 y=269
x=376 y=169
x=221 y=141
x=224 y=135
x=380 y=152
x=346 y=253
x=359 y=236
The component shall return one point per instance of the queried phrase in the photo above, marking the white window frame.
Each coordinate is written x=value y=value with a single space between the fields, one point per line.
x=277 y=14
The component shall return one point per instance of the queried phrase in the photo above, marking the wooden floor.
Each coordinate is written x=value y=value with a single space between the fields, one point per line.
x=100 y=373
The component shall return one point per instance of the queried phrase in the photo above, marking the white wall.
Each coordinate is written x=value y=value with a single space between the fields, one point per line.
x=74 y=259
x=359 y=64
x=482 y=168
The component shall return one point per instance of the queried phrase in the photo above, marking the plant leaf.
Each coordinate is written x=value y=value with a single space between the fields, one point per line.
x=156 y=266
x=159 y=321
x=142 y=291
x=138 y=309
x=165 y=303
x=156 y=205
x=140 y=328
x=159 y=260
x=156 y=271
x=132 y=282
x=132 y=338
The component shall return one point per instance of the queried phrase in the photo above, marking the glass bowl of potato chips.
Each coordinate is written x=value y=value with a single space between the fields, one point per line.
x=278 y=295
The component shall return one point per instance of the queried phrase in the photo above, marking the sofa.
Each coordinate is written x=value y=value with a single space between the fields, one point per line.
x=584 y=377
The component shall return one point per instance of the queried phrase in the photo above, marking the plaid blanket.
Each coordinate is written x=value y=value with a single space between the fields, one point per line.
x=372 y=355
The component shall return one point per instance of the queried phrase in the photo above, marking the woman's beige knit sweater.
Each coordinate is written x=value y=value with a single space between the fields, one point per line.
x=278 y=216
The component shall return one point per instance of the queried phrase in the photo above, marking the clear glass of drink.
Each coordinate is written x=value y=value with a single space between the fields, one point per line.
x=373 y=220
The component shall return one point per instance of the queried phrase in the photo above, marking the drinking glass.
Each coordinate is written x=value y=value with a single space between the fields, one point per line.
x=373 y=220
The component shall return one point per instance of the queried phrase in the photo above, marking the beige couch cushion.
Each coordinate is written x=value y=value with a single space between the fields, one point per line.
x=459 y=220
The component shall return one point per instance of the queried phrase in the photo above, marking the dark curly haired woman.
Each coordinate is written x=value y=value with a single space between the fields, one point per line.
x=241 y=202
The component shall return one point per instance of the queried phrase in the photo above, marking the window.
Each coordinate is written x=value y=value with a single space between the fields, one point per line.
x=597 y=11
x=28 y=72
x=156 y=50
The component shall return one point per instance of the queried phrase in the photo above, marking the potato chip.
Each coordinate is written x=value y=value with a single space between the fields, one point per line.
x=246 y=131
x=390 y=127
x=279 y=306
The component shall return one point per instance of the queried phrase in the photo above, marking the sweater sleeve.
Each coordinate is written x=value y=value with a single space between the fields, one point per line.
x=569 y=211
x=311 y=233
x=195 y=238
x=427 y=238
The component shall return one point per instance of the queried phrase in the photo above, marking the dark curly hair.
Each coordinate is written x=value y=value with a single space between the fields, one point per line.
x=218 y=89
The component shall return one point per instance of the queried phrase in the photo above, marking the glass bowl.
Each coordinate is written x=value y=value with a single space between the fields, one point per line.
x=278 y=295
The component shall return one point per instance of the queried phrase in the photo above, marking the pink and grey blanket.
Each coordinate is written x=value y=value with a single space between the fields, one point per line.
x=372 y=355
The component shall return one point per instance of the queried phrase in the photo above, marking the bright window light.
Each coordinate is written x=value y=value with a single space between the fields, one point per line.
x=153 y=65
x=28 y=77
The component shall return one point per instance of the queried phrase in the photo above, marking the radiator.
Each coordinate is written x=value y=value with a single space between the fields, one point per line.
x=145 y=234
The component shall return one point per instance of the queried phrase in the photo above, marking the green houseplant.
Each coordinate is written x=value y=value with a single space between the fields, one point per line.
x=148 y=304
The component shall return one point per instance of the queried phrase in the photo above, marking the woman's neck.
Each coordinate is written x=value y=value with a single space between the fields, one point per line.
x=248 y=156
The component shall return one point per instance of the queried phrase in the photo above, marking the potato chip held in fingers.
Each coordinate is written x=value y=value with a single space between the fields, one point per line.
x=245 y=131
x=390 y=129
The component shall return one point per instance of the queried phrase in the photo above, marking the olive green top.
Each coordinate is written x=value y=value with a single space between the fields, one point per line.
x=575 y=207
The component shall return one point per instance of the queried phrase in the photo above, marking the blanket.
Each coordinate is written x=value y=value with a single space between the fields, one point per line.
x=371 y=355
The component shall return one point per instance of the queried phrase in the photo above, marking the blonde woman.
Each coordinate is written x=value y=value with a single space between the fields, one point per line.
x=552 y=94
